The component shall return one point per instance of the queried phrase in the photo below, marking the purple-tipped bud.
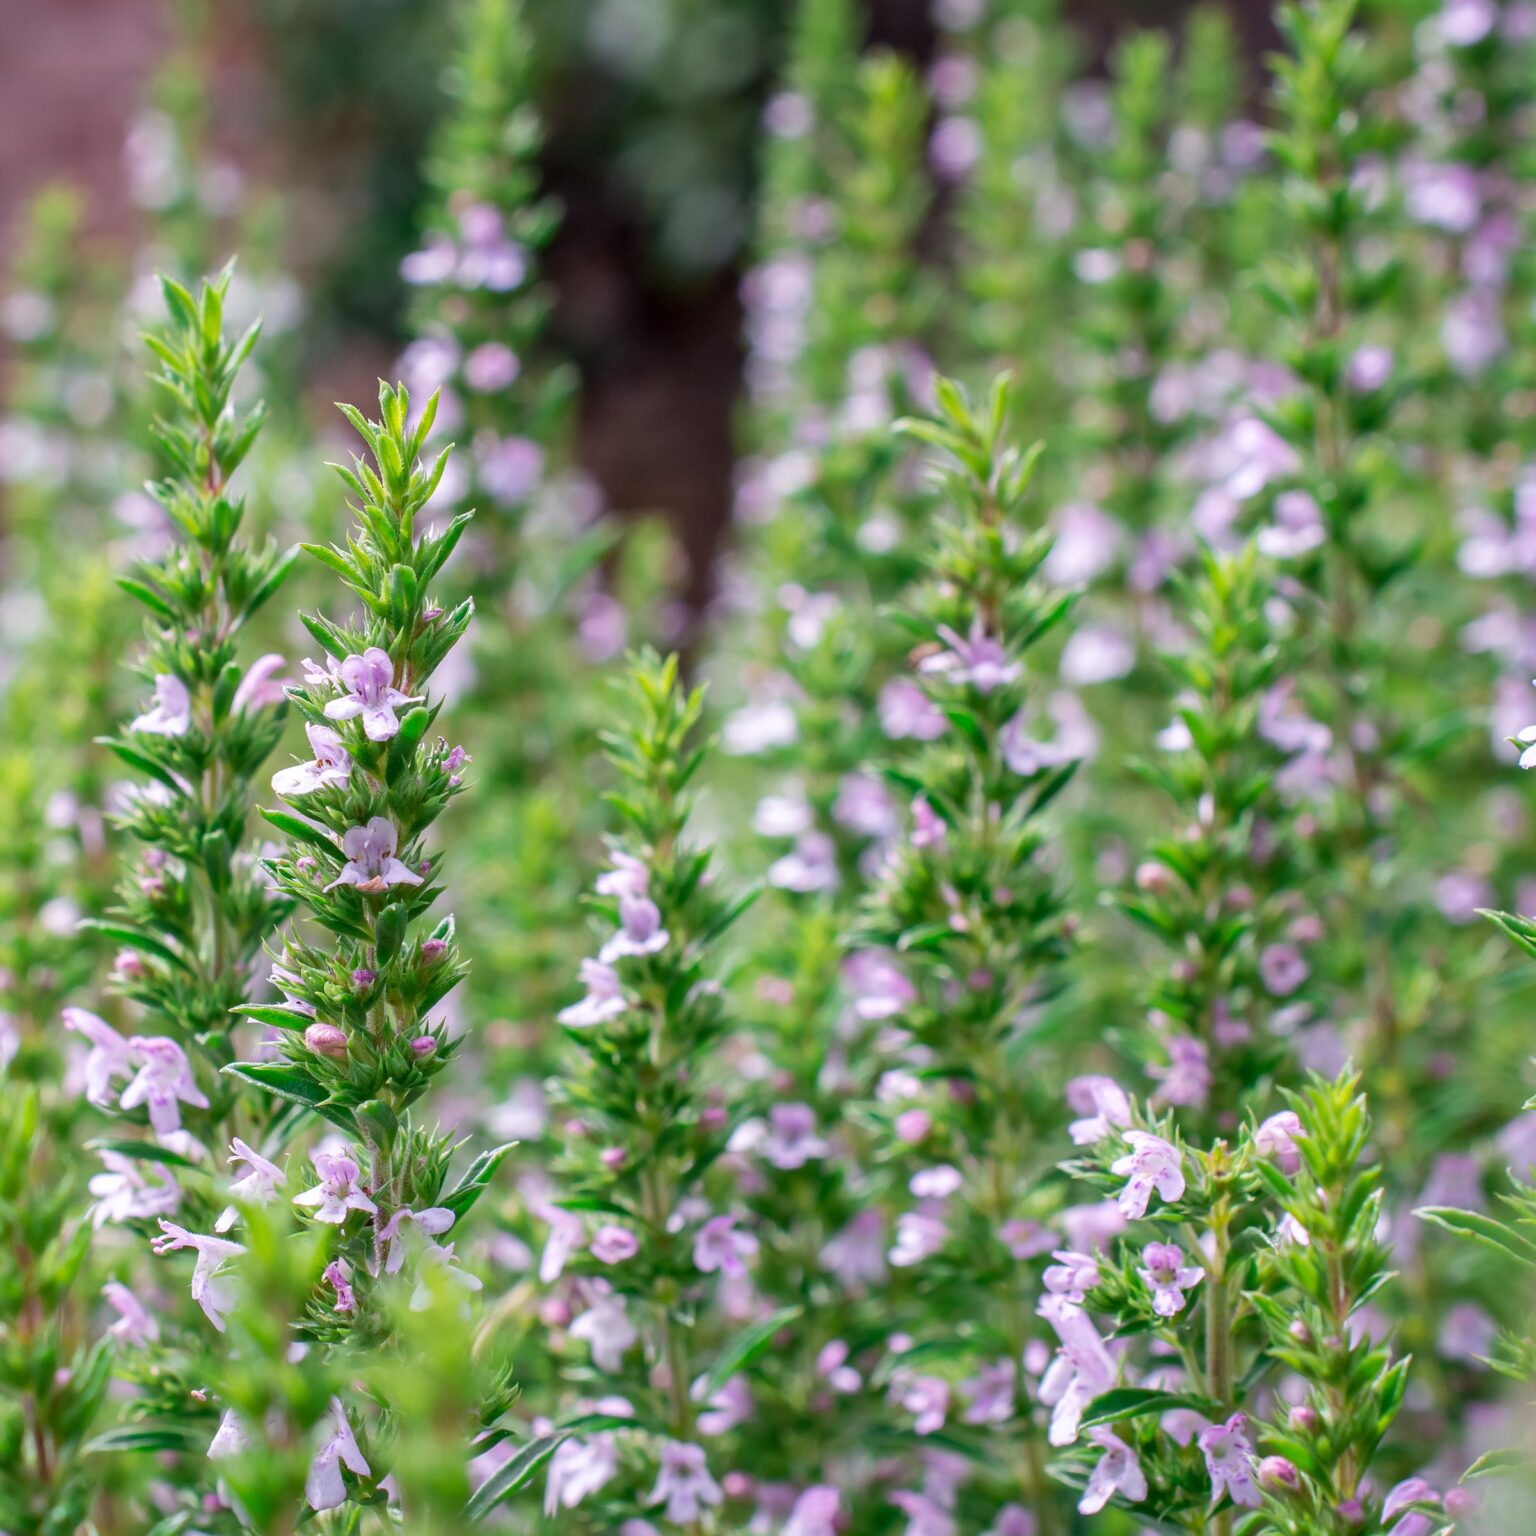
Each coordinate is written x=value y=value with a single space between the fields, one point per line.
x=433 y=950
x=363 y=977
x=1154 y=878
x=1459 y=1502
x=1351 y=1512
x=913 y=1125
x=613 y=1157
x=1304 y=1418
x=327 y=1040
x=1278 y=1475
x=423 y=1045
x=713 y=1118
x=128 y=966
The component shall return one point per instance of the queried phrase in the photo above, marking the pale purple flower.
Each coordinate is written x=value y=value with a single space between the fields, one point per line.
x=1401 y=1501
x=1089 y=1227
x=990 y=1393
x=919 y=1235
x=339 y=1190
x=1028 y=1239
x=640 y=931
x=440 y=1259
x=566 y=1234
x=164 y=1081
x=254 y=1188
x=606 y=1328
x=578 y=1469
x=1026 y=755
x=856 y=1255
x=928 y=827
x=908 y=714
x=1072 y=1276
x=1368 y=368
x=325 y=1488
x=1087 y=543
x=864 y=806
x=432 y=1221
x=683 y=1484
x=371 y=693
x=613 y=1244
x=1229 y=1460
x=876 y=982
x=489 y=258
x=1097 y=653
x=1466 y=22
x=229 y=1439
x=1455 y=1179
x=926 y=1398
x=1118 y=1471
x=811 y=865
x=760 y=726
x=1282 y=969
x=338 y=1275
x=1186 y=1080
x=937 y=1183
x=331 y=767
x=135 y=1325
x=1441 y=195
x=210 y=1290
x=1297 y=528
x=730 y=1406
x=509 y=467
x=1151 y=1164
x=110 y=1055
x=1082 y=1370
x=925 y=1516
x=171 y=713
x=1467 y=1333
x=1472 y=331
x=815 y=1512
x=604 y=1000
x=1276 y=1138
x=976 y=659
x=1102 y=1105
x=490 y=367
x=123 y=1192
x=719 y=1246
x=1164 y=1273
x=1013 y=1520
x=791 y=1140
x=261 y=687
x=371 y=863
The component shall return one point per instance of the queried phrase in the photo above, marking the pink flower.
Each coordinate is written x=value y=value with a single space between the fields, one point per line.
x=1282 y=969
x=990 y=1393
x=123 y=1193
x=171 y=713
x=1229 y=1461
x=815 y=1512
x=256 y=1187
x=325 y=1487
x=566 y=1234
x=331 y=768
x=1166 y=1275
x=908 y=714
x=1072 y=1276
x=1276 y=1138
x=338 y=1275
x=730 y=1406
x=164 y=1080
x=1186 y=1080
x=110 y=1055
x=261 y=687
x=919 y=1235
x=878 y=987
x=371 y=693
x=925 y=1516
x=791 y=1140
x=432 y=1222
x=614 y=1244
x=338 y=1190
x=926 y=1398
x=1103 y=1106
x=977 y=659
x=683 y=1484
x=606 y=1327
x=719 y=1246
x=640 y=931
x=1119 y=1471
x=1401 y=1501
x=928 y=827
x=1151 y=1164
x=1083 y=1368
x=604 y=1000
x=210 y=1290
x=135 y=1325
x=578 y=1469
x=371 y=863
x=856 y=1255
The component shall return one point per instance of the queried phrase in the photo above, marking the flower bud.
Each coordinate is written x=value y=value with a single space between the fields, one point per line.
x=423 y=1045
x=363 y=978
x=327 y=1040
x=913 y=1125
x=1153 y=878
x=1278 y=1475
x=432 y=950
x=1304 y=1418
x=1351 y=1512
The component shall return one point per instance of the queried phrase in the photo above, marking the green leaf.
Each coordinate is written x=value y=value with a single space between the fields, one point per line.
x=147 y=595
x=742 y=1350
x=299 y=829
x=148 y=1437
x=1134 y=1402
x=480 y=1173
x=1486 y=1230
x=134 y=938
x=140 y=1151
x=1497 y=1463
x=274 y=1015
x=511 y=1476
x=280 y=1079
